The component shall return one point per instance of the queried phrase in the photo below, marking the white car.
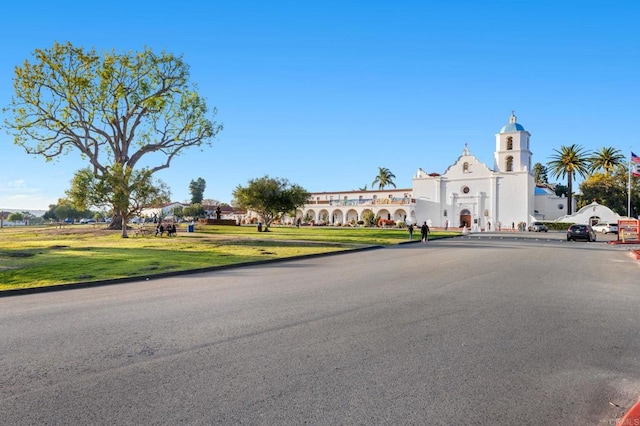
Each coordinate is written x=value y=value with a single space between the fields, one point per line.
x=605 y=228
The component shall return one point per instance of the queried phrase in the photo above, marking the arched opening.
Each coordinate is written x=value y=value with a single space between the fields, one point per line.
x=465 y=218
x=337 y=218
x=509 y=164
x=400 y=215
x=323 y=217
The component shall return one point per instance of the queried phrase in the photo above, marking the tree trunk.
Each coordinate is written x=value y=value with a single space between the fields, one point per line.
x=124 y=227
x=119 y=222
x=116 y=223
x=569 y=194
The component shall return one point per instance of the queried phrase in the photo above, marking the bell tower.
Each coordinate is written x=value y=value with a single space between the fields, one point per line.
x=512 y=154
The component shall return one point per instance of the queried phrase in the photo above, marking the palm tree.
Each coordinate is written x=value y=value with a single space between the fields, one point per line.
x=606 y=159
x=540 y=173
x=384 y=178
x=569 y=161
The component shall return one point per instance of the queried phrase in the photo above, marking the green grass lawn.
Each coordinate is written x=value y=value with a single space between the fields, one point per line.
x=38 y=256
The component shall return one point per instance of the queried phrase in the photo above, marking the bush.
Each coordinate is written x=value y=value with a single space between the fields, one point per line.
x=369 y=218
x=385 y=223
x=558 y=226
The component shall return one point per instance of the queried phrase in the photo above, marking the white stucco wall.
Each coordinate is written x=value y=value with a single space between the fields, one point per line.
x=551 y=207
x=591 y=214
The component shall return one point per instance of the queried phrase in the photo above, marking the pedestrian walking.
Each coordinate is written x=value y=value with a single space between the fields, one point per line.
x=424 y=232
x=410 y=228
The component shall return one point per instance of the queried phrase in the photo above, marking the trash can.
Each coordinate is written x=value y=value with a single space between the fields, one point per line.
x=191 y=228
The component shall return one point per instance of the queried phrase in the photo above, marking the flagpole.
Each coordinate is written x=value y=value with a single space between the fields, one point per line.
x=629 y=191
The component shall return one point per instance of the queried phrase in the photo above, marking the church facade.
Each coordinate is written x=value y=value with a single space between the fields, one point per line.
x=468 y=194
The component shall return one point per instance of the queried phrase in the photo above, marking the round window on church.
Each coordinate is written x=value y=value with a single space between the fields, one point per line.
x=465 y=189
x=560 y=206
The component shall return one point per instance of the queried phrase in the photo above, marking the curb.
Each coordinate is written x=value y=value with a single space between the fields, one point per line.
x=88 y=284
x=632 y=417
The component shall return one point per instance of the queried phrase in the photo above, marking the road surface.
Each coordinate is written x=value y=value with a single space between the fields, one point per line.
x=480 y=330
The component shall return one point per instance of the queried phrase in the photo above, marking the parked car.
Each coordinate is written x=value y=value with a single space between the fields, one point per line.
x=605 y=228
x=84 y=221
x=581 y=232
x=538 y=227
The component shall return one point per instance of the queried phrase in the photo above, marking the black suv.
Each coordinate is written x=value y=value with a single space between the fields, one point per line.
x=581 y=232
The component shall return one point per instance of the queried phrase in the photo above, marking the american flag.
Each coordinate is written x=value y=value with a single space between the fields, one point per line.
x=635 y=165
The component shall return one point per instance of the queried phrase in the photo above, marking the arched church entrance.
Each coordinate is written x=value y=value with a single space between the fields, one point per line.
x=465 y=218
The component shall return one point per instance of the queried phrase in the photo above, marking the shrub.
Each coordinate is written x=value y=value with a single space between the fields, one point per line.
x=369 y=218
x=385 y=223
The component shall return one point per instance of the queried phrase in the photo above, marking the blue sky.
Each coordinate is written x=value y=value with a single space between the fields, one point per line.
x=324 y=93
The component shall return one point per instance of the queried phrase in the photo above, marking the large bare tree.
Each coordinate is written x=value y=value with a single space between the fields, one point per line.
x=113 y=108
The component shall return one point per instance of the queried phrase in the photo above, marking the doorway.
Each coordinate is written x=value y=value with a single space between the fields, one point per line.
x=465 y=218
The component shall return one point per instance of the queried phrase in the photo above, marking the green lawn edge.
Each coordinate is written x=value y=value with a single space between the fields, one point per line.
x=35 y=257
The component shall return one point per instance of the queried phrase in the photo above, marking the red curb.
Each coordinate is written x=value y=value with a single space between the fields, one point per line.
x=632 y=417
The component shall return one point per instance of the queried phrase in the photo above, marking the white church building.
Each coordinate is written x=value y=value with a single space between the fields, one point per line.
x=469 y=193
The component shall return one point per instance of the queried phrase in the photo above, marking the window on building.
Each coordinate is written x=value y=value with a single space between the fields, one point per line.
x=509 y=164
x=509 y=143
x=465 y=189
x=465 y=167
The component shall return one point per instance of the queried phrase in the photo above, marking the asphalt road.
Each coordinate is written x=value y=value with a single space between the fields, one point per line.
x=480 y=330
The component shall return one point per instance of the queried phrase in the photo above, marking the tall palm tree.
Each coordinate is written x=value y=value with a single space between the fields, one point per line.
x=606 y=159
x=569 y=161
x=384 y=178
